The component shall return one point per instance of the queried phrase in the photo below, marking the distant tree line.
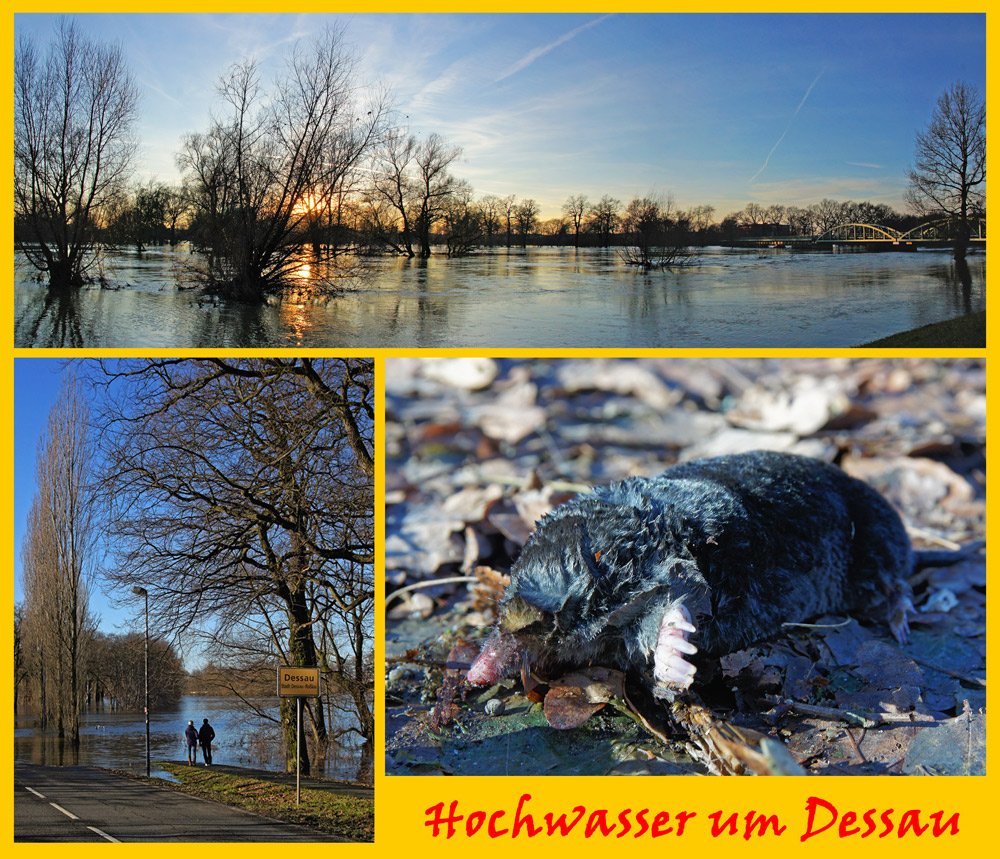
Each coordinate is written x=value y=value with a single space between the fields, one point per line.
x=314 y=164
x=112 y=666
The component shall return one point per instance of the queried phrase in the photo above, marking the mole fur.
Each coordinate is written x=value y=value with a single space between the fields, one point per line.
x=726 y=549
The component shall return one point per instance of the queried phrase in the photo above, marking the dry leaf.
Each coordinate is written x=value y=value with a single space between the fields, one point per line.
x=576 y=697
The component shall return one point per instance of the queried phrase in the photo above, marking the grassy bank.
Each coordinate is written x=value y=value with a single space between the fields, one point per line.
x=347 y=816
x=965 y=332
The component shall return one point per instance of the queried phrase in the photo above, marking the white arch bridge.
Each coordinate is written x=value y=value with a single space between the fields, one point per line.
x=939 y=233
x=934 y=232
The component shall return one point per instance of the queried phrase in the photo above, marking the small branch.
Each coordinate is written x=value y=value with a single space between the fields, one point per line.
x=872 y=721
x=820 y=625
x=430 y=584
x=854 y=742
x=927 y=536
x=556 y=485
x=965 y=678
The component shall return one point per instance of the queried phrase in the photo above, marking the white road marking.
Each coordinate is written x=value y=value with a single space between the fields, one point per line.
x=72 y=816
x=103 y=834
x=69 y=814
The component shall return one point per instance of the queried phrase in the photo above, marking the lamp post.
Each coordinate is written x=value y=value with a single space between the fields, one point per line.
x=142 y=592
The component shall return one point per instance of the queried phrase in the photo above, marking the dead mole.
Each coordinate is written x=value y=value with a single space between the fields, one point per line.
x=710 y=556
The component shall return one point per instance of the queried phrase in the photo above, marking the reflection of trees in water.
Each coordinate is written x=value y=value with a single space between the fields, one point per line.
x=958 y=277
x=653 y=291
x=431 y=309
x=52 y=319
x=224 y=323
x=505 y=297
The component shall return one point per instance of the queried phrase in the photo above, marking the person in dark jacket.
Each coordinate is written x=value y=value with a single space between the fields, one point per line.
x=205 y=737
x=191 y=735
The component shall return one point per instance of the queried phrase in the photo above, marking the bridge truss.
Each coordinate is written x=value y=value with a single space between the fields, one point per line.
x=933 y=231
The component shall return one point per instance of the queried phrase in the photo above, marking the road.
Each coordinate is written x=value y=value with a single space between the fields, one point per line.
x=80 y=804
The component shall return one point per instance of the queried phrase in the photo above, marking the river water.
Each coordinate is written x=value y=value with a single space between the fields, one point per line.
x=534 y=298
x=117 y=740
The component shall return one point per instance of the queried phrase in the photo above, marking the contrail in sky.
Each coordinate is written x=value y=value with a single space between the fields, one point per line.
x=531 y=56
x=790 y=121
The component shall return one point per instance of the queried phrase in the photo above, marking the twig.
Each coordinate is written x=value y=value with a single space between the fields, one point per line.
x=430 y=584
x=821 y=625
x=872 y=721
x=964 y=677
x=914 y=531
x=854 y=743
x=557 y=485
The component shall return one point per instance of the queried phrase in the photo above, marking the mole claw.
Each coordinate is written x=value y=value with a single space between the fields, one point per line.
x=685 y=646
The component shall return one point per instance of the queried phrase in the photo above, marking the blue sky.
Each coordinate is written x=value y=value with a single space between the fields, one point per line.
x=712 y=109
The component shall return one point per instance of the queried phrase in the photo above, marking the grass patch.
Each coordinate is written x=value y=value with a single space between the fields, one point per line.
x=335 y=814
x=964 y=332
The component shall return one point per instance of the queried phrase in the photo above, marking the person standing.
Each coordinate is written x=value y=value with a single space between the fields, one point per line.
x=205 y=737
x=191 y=735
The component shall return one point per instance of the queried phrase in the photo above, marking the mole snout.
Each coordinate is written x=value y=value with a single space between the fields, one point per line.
x=708 y=557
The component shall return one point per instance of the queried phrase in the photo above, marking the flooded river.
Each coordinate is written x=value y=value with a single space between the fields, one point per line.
x=117 y=740
x=539 y=297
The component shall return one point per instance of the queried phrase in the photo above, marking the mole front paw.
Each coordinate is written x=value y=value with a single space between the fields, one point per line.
x=669 y=665
x=900 y=605
x=898 y=622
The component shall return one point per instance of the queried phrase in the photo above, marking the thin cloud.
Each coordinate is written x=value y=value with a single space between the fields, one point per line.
x=790 y=121
x=531 y=56
x=866 y=164
x=163 y=93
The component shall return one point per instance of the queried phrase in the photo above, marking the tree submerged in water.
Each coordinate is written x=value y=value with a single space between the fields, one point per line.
x=654 y=235
x=263 y=176
x=74 y=109
x=950 y=164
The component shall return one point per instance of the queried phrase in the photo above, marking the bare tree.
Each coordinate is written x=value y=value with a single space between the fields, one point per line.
x=117 y=671
x=604 y=218
x=526 y=216
x=826 y=214
x=434 y=186
x=74 y=109
x=800 y=221
x=752 y=217
x=21 y=663
x=950 y=163
x=462 y=221
x=238 y=490
x=701 y=218
x=491 y=209
x=509 y=208
x=275 y=158
x=774 y=215
x=574 y=208
x=177 y=208
x=58 y=557
x=348 y=658
x=389 y=209
x=654 y=234
x=42 y=612
x=412 y=178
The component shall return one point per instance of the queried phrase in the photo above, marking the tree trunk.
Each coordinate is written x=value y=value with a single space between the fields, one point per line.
x=302 y=649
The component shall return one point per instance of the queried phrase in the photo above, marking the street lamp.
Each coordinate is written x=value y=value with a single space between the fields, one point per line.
x=142 y=592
